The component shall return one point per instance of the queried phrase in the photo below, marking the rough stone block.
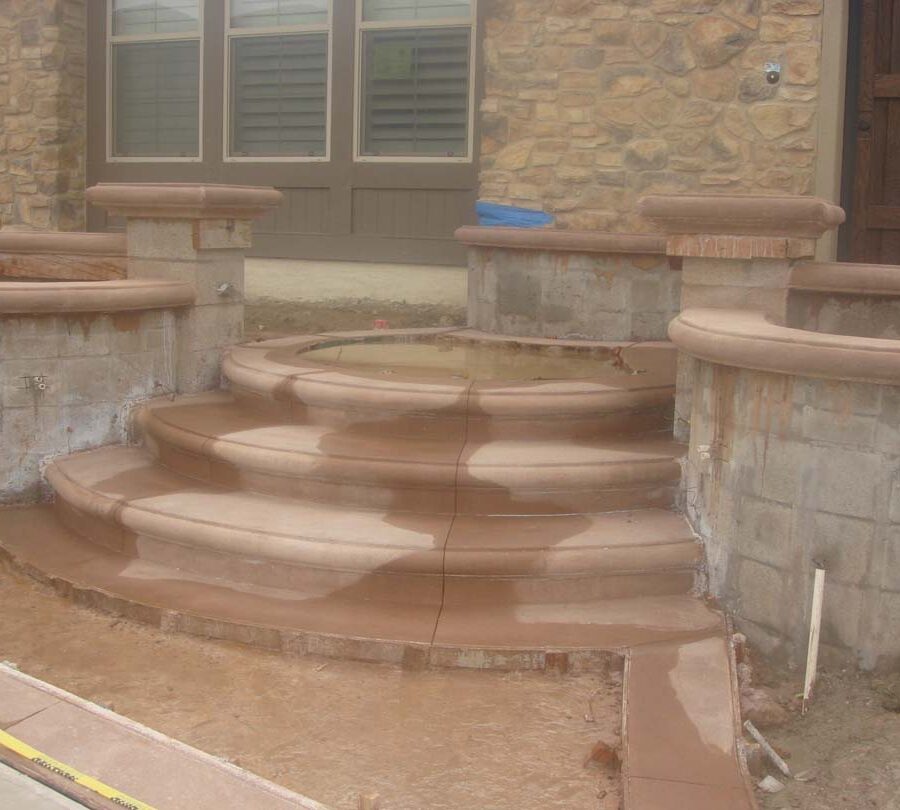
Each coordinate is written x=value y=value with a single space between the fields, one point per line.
x=763 y=531
x=842 y=482
x=222 y=234
x=86 y=380
x=160 y=239
x=763 y=590
x=842 y=428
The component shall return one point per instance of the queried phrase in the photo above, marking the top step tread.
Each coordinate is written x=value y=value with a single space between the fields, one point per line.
x=219 y=419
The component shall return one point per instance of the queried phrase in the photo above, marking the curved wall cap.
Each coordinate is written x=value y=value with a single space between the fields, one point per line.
x=64 y=297
x=733 y=215
x=59 y=244
x=750 y=340
x=184 y=200
x=561 y=241
x=844 y=277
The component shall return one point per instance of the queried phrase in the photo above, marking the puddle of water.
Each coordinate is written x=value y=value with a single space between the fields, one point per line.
x=449 y=358
x=430 y=740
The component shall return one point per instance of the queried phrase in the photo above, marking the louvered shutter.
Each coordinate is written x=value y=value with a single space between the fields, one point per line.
x=416 y=99
x=274 y=13
x=378 y=10
x=136 y=17
x=279 y=87
x=156 y=99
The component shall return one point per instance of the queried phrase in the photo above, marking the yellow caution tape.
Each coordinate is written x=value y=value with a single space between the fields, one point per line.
x=59 y=768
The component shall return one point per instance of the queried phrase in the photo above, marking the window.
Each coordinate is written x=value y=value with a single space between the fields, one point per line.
x=278 y=66
x=415 y=84
x=154 y=72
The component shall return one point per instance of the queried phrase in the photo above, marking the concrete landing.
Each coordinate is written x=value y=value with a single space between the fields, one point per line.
x=143 y=763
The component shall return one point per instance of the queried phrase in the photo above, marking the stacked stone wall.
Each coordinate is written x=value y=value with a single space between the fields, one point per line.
x=42 y=113
x=590 y=104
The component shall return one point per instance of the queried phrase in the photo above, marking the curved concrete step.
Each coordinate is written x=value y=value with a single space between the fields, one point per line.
x=209 y=438
x=344 y=624
x=118 y=497
x=272 y=378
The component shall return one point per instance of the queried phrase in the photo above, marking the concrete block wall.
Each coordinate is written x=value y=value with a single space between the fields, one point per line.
x=784 y=470
x=92 y=367
x=545 y=294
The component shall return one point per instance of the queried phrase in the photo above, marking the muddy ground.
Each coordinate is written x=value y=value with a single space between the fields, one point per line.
x=846 y=750
x=270 y=316
x=331 y=729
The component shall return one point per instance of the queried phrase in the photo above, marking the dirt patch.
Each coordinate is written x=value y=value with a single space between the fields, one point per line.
x=331 y=729
x=846 y=749
x=269 y=315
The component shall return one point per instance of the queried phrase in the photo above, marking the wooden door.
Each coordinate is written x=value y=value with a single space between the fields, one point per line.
x=874 y=222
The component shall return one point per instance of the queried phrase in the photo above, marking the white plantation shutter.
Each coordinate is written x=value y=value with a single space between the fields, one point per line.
x=377 y=10
x=156 y=99
x=136 y=17
x=275 y=13
x=279 y=95
x=416 y=92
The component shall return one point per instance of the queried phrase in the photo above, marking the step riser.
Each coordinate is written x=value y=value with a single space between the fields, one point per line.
x=638 y=419
x=456 y=481
x=503 y=593
x=308 y=581
x=544 y=578
x=356 y=491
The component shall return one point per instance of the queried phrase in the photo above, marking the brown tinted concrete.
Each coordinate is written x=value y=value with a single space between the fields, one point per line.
x=681 y=720
x=747 y=339
x=740 y=215
x=36 y=298
x=142 y=763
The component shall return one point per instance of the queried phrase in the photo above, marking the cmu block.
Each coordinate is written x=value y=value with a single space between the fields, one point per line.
x=813 y=485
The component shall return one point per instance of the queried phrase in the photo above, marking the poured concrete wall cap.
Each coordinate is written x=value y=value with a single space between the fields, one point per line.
x=740 y=215
x=184 y=200
x=560 y=241
x=62 y=244
x=843 y=277
x=63 y=297
x=746 y=339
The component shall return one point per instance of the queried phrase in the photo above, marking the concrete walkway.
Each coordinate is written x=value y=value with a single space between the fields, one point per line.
x=21 y=793
x=125 y=755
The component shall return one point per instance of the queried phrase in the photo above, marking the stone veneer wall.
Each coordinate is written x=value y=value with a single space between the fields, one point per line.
x=42 y=113
x=590 y=104
x=799 y=469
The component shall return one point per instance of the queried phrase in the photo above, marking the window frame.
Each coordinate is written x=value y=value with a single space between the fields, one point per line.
x=390 y=25
x=327 y=28
x=182 y=36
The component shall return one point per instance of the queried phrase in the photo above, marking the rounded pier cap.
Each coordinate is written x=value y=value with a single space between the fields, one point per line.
x=70 y=297
x=184 y=200
x=69 y=243
x=741 y=215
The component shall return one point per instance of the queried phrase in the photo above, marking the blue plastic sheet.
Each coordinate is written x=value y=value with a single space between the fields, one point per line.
x=510 y=216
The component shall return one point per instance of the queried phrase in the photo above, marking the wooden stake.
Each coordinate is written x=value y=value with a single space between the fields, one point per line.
x=815 y=625
x=369 y=801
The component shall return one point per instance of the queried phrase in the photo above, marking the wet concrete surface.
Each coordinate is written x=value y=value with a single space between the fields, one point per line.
x=331 y=729
x=449 y=358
